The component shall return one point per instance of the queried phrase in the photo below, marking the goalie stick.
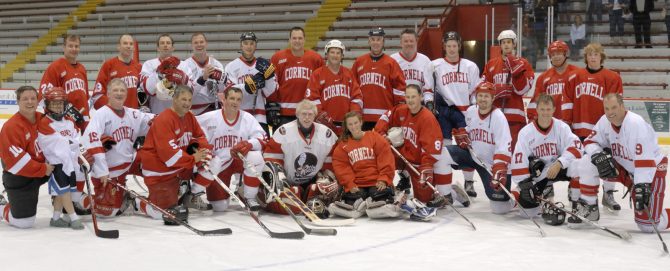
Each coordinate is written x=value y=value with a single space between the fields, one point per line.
x=313 y=218
x=274 y=195
x=108 y=234
x=409 y=165
x=280 y=235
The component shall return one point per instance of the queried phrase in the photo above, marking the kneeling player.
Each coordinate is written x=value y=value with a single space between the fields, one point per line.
x=543 y=156
x=634 y=159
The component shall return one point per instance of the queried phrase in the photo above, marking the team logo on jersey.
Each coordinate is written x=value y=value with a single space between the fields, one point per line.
x=113 y=74
x=283 y=60
x=662 y=167
x=329 y=133
x=211 y=128
x=282 y=130
x=63 y=74
x=177 y=131
x=305 y=166
x=107 y=123
x=27 y=136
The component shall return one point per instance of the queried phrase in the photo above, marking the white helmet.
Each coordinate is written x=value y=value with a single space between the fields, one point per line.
x=507 y=34
x=334 y=44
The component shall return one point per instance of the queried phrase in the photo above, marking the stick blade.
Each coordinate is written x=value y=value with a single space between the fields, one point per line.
x=328 y=232
x=110 y=234
x=287 y=235
x=224 y=231
x=333 y=222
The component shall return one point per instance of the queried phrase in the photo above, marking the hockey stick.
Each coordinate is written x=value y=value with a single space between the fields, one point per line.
x=409 y=165
x=280 y=235
x=653 y=224
x=621 y=235
x=316 y=220
x=109 y=234
x=481 y=163
x=283 y=205
x=171 y=217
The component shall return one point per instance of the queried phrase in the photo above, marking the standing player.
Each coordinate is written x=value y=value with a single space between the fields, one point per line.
x=204 y=67
x=294 y=67
x=174 y=145
x=69 y=74
x=247 y=65
x=628 y=140
x=122 y=66
x=455 y=81
x=380 y=78
x=543 y=156
x=110 y=138
x=582 y=101
x=333 y=89
x=422 y=146
x=512 y=77
x=416 y=67
x=23 y=164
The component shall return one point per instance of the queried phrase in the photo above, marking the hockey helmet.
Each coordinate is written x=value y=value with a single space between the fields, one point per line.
x=558 y=46
x=248 y=36
x=377 y=32
x=334 y=44
x=507 y=34
x=452 y=35
x=553 y=215
x=55 y=94
x=485 y=87
x=318 y=206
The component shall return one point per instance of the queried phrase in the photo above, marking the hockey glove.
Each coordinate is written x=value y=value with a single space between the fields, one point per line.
x=641 y=195
x=528 y=194
x=426 y=177
x=139 y=142
x=107 y=142
x=535 y=166
x=515 y=65
x=273 y=115
x=192 y=147
x=242 y=147
x=176 y=77
x=462 y=138
x=254 y=83
x=170 y=63
x=324 y=119
x=265 y=67
x=75 y=114
x=499 y=177
x=142 y=97
x=503 y=91
x=605 y=164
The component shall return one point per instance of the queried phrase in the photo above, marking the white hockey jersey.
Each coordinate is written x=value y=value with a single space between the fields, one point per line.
x=201 y=97
x=556 y=143
x=456 y=82
x=301 y=157
x=417 y=71
x=124 y=129
x=489 y=134
x=223 y=135
x=237 y=70
x=59 y=142
x=148 y=80
x=634 y=145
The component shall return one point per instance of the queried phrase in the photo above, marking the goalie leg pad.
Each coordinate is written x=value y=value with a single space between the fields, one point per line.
x=340 y=208
x=381 y=209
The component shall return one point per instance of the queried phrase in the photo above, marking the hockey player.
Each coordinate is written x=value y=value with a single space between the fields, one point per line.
x=174 y=145
x=554 y=80
x=68 y=73
x=59 y=140
x=380 y=78
x=512 y=77
x=333 y=89
x=416 y=67
x=364 y=166
x=294 y=67
x=247 y=65
x=302 y=148
x=111 y=137
x=487 y=137
x=543 y=157
x=160 y=75
x=122 y=66
x=582 y=101
x=421 y=146
x=204 y=67
x=23 y=163
x=455 y=81
x=230 y=131
x=624 y=146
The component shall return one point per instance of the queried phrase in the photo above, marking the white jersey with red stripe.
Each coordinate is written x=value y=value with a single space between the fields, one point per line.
x=59 y=142
x=556 y=143
x=123 y=128
x=223 y=134
x=634 y=145
x=418 y=70
x=237 y=70
x=149 y=78
x=489 y=134
x=201 y=97
x=456 y=82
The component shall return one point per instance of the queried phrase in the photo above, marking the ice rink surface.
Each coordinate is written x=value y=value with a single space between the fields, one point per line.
x=501 y=242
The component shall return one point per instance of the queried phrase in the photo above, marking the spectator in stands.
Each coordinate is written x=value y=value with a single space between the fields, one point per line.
x=577 y=37
x=595 y=7
x=642 y=21
x=616 y=8
x=667 y=19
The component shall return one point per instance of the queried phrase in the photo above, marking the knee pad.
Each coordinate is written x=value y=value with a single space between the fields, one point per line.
x=501 y=207
x=220 y=205
x=532 y=212
x=343 y=209
x=646 y=228
x=381 y=209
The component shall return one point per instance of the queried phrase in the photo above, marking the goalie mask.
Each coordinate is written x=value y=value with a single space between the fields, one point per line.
x=552 y=215
x=318 y=207
x=55 y=101
x=328 y=186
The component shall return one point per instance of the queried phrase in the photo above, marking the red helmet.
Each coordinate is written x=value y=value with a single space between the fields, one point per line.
x=55 y=94
x=485 y=87
x=558 y=46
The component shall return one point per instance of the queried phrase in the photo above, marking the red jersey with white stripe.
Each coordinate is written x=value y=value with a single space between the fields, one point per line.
x=237 y=70
x=418 y=70
x=337 y=94
x=489 y=134
x=149 y=78
x=19 y=151
x=456 y=82
x=301 y=157
x=293 y=73
x=123 y=127
x=497 y=72
x=73 y=79
x=363 y=162
x=201 y=97
x=552 y=83
x=583 y=98
x=421 y=131
x=222 y=134
x=164 y=150
x=59 y=142
x=115 y=68
x=634 y=145
x=382 y=84
x=556 y=143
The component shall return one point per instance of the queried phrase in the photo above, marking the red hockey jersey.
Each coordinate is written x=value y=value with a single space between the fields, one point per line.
x=337 y=94
x=497 y=72
x=19 y=151
x=293 y=74
x=552 y=83
x=73 y=79
x=361 y=163
x=115 y=68
x=382 y=84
